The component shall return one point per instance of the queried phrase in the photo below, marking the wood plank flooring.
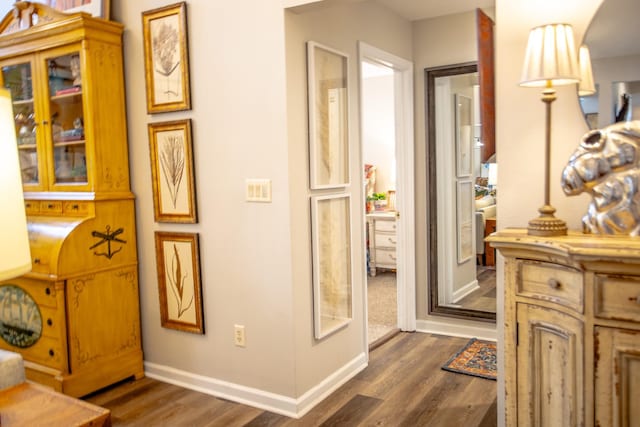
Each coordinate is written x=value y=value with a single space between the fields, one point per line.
x=402 y=386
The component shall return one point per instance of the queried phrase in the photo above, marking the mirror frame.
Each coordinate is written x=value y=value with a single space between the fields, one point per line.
x=432 y=209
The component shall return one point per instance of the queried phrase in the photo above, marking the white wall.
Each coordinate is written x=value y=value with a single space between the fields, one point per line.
x=339 y=26
x=237 y=64
x=445 y=40
x=520 y=125
x=378 y=130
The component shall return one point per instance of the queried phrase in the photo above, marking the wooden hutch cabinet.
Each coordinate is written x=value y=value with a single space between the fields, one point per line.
x=75 y=317
x=572 y=329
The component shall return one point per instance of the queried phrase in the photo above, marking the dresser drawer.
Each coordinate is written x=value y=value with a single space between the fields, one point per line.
x=382 y=225
x=75 y=208
x=49 y=207
x=43 y=293
x=617 y=297
x=385 y=257
x=551 y=282
x=385 y=240
x=32 y=207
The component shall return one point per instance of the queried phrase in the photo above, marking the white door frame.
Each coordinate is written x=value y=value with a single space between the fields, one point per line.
x=405 y=202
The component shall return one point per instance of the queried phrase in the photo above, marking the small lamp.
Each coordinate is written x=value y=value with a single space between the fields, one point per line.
x=586 y=86
x=15 y=256
x=550 y=61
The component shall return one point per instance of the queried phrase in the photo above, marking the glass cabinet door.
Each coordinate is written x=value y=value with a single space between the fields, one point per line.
x=18 y=79
x=67 y=119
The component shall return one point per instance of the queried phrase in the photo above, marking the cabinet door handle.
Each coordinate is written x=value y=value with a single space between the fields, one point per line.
x=554 y=284
x=392 y=241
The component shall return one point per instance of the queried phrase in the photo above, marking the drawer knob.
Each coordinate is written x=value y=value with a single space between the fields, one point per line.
x=51 y=352
x=392 y=241
x=49 y=322
x=50 y=206
x=75 y=207
x=47 y=291
x=553 y=284
x=36 y=260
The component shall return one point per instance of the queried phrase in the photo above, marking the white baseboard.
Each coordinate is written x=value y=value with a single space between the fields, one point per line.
x=457 y=328
x=465 y=290
x=279 y=404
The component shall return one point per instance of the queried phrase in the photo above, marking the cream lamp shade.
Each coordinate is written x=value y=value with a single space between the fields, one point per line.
x=551 y=57
x=587 y=86
x=15 y=256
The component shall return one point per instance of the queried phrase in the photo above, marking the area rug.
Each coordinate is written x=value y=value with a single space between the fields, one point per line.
x=477 y=358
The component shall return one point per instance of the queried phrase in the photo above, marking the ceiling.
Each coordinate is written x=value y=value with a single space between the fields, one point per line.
x=414 y=10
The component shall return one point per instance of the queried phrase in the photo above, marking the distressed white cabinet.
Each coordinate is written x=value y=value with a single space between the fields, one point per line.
x=572 y=329
x=382 y=241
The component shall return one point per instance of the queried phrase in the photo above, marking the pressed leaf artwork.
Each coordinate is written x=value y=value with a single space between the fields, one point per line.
x=179 y=286
x=172 y=171
x=172 y=162
x=176 y=280
x=179 y=280
x=166 y=58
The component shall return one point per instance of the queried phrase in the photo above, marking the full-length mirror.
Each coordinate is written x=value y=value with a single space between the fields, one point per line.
x=462 y=187
x=612 y=39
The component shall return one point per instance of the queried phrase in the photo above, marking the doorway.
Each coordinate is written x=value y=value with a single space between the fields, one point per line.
x=387 y=155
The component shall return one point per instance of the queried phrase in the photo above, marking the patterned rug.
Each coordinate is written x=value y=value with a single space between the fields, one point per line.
x=477 y=358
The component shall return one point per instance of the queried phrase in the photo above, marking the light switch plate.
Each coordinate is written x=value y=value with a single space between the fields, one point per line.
x=258 y=190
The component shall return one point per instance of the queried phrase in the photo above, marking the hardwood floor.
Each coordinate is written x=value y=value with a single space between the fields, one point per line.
x=402 y=386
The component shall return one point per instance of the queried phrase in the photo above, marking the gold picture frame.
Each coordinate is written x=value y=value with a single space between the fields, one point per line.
x=171 y=150
x=166 y=58
x=179 y=285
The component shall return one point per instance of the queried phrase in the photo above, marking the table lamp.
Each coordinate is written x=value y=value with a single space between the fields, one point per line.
x=550 y=61
x=15 y=256
x=586 y=86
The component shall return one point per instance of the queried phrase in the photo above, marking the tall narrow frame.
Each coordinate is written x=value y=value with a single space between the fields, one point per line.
x=171 y=149
x=332 y=263
x=166 y=58
x=179 y=285
x=328 y=91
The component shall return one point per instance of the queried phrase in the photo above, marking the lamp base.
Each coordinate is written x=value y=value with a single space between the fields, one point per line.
x=547 y=224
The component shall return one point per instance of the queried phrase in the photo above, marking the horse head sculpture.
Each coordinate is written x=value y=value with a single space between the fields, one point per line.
x=606 y=166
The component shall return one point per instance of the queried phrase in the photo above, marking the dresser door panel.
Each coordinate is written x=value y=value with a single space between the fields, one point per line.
x=549 y=368
x=617 y=379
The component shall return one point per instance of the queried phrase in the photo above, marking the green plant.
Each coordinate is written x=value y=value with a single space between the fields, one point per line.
x=379 y=196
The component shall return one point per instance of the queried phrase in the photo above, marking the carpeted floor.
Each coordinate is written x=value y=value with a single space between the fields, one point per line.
x=382 y=304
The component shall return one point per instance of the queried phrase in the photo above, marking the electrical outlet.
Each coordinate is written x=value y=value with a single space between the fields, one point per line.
x=238 y=337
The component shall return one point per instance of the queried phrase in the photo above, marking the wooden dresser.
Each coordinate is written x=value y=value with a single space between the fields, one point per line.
x=572 y=329
x=75 y=317
x=382 y=241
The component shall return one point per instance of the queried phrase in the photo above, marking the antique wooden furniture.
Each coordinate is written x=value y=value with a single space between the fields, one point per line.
x=75 y=317
x=382 y=241
x=29 y=404
x=572 y=329
x=489 y=252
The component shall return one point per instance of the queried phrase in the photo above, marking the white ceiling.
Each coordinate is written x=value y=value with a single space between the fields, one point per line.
x=414 y=10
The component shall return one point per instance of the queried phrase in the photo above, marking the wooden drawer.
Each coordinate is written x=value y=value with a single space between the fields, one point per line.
x=32 y=207
x=551 y=282
x=382 y=225
x=75 y=208
x=384 y=240
x=617 y=297
x=48 y=351
x=50 y=207
x=385 y=257
x=43 y=293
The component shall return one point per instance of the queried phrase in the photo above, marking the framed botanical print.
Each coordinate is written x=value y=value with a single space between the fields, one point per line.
x=328 y=117
x=166 y=58
x=332 y=263
x=464 y=220
x=179 y=286
x=172 y=173
x=464 y=136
